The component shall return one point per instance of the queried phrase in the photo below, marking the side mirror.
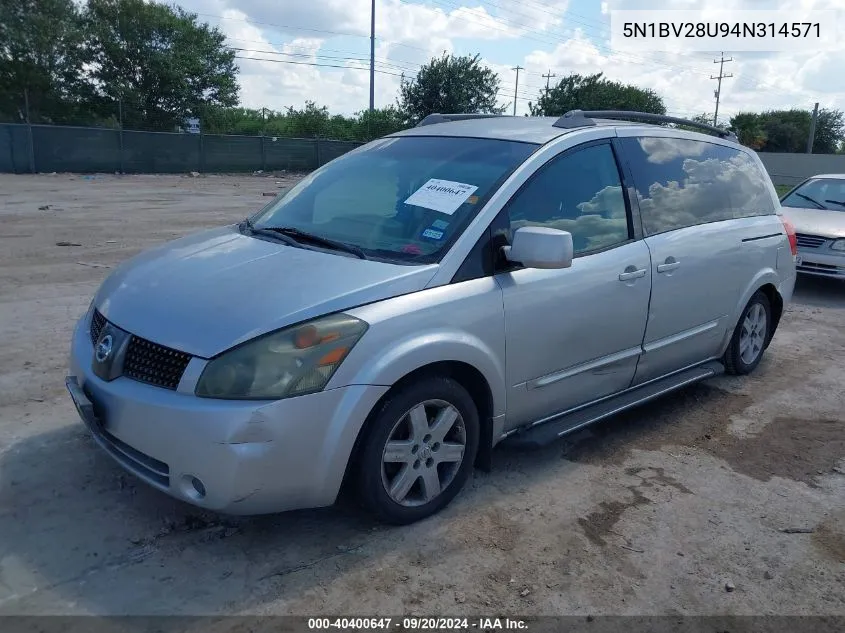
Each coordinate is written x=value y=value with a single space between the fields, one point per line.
x=540 y=247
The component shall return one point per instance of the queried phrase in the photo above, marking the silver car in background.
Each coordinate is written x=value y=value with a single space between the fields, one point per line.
x=415 y=302
x=816 y=208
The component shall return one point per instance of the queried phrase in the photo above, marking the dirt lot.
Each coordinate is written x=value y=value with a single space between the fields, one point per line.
x=732 y=484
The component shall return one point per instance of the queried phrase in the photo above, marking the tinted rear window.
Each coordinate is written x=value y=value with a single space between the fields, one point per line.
x=682 y=183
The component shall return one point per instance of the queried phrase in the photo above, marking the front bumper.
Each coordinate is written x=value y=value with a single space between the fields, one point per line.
x=251 y=457
x=814 y=262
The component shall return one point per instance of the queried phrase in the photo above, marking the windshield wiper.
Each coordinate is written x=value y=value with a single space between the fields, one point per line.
x=280 y=237
x=809 y=199
x=305 y=236
x=839 y=202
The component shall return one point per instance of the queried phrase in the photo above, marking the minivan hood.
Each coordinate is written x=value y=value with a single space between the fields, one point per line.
x=817 y=221
x=207 y=292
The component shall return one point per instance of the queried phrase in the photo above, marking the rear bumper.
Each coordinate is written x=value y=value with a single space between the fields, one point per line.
x=251 y=457
x=821 y=264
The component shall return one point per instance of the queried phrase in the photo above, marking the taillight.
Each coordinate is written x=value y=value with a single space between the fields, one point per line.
x=790 y=234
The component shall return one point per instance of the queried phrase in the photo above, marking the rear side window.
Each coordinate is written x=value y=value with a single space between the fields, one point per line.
x=579 y=192
x=683 y=182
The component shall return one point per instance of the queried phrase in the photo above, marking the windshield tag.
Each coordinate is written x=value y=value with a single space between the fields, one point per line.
x=444 y=196
x=432 y=234
x=439 y=225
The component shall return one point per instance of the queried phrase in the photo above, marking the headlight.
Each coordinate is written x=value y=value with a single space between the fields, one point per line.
x=838 y=245
x=290 y=362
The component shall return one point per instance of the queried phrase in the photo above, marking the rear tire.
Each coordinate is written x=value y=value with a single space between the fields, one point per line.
x=750 y=336
x=419 y=450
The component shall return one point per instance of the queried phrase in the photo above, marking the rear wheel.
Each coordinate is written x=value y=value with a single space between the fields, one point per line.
x=750 y=335
x=420 y=450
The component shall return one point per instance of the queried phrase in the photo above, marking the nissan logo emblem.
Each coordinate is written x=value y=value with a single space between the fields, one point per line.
x=104 y=348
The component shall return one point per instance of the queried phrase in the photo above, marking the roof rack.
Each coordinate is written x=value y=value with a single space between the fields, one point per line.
x=584 y=118
x=431 y=119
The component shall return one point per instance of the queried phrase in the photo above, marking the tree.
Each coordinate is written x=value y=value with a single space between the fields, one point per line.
x=830 y=131
x=42 y=53
x=749 y=130
x=453 y=84
x=159 y=61
x=788 y=130
x=705 y=118
x=310 y=121
x=379 y=122
x=593 y=92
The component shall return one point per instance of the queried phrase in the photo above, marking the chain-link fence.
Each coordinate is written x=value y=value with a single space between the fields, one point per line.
x=133 y=137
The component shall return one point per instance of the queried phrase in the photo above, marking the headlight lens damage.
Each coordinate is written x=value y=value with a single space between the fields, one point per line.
x=291 y=362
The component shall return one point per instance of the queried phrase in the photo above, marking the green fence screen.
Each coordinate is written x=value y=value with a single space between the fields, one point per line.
x=53 y=148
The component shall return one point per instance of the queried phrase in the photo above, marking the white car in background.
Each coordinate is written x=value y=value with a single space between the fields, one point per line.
x=816 y=208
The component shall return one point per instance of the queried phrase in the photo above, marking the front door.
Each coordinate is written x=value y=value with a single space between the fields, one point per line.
x=574 y=335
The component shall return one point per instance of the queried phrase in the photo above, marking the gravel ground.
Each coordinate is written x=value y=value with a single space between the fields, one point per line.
x=725 y=498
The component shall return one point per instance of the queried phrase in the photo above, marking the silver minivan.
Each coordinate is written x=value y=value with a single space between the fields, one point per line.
x=408 y=306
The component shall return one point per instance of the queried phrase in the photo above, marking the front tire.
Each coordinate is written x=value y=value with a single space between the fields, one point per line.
x=750 y=336
x=419 y=451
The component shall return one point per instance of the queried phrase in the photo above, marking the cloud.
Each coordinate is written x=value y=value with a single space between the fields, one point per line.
x=824 y=73
x=411 y=32
x=710 y=190
x=602 y=221
x=664 y=150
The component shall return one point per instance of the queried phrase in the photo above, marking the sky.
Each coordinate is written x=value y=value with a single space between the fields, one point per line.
x=290 y=51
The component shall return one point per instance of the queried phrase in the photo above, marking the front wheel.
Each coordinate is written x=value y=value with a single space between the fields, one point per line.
x=750 y=335
x=419 y=451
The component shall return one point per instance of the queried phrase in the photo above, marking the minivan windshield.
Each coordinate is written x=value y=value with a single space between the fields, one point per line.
x=403 y=199
x=819 y=193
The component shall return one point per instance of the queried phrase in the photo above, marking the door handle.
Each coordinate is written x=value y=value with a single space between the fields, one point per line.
x=632 y=274
x=668 y=266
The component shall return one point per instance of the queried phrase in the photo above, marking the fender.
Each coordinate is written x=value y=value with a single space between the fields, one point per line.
x=409 y=332
x=426 y=348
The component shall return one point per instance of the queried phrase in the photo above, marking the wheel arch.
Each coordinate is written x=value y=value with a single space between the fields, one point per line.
x=465 y=374
x=766 y=281
x=776 y=305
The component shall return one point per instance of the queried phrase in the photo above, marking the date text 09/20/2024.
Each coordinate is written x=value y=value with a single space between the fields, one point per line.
x=417 y=624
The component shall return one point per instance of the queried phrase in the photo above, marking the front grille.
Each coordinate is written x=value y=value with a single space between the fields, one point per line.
x=809 y=241
x=98 y=321
x=154 y=364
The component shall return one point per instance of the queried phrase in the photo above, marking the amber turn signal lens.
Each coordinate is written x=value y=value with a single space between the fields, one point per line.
x=306 y=337
x=334 y=356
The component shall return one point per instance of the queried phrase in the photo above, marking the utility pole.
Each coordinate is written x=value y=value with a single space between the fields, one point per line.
x=516 y=88
x=548 y=76
x=721 y=61
x=29 y=131
x=813 y=129
x=372 y=55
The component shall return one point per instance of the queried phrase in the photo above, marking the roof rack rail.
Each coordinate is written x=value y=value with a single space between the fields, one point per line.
x=431 y=119
x=584 y=118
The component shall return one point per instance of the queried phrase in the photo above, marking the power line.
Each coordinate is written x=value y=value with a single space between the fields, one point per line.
x=317 y=64
x=317 y=56
x=318 y=52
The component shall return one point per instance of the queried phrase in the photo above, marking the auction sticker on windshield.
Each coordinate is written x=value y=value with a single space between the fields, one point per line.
x=444 y=196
